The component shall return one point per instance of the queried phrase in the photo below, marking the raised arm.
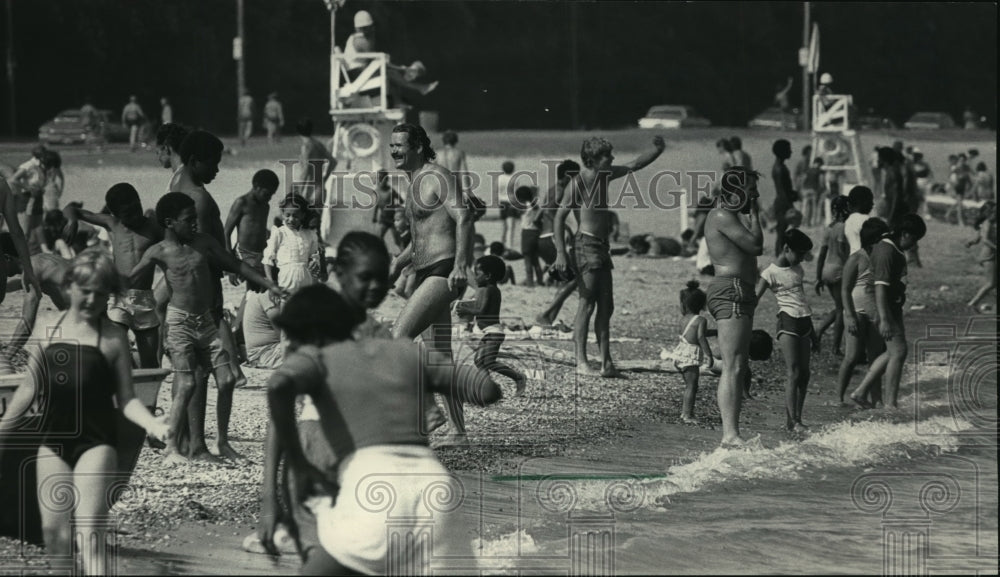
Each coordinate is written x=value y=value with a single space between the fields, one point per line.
x=73 y=213
x=17 y=237
x=642 y=161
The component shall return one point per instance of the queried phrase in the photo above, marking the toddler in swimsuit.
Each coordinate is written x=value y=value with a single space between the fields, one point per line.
x=692 y=346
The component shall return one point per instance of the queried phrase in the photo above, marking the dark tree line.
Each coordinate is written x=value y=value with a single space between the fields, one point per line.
x=501 y=64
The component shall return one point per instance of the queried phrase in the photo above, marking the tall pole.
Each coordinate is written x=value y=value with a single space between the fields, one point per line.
x=238 y=55
x=806 y=100
x=10 y=68
x=574 y=67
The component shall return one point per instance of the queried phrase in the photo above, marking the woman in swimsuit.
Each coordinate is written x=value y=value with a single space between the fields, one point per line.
x=75 y=374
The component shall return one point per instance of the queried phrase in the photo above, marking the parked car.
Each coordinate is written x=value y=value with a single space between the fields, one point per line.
x=777 y=119
x=671 y=116
x=874 y=121
x=930 y=121
x=68 y=127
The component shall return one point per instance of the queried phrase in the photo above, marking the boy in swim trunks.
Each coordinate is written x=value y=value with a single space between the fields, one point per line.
x=795 y=331
x=187 y=258
x=132 y=233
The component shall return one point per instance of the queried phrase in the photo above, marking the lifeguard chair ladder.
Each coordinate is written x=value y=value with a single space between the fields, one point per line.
x=831 y=128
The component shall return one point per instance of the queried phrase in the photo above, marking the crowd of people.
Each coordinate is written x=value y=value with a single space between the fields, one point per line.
x=338 y=412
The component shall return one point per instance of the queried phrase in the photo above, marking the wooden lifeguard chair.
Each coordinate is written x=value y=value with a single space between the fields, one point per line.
x=833 y=138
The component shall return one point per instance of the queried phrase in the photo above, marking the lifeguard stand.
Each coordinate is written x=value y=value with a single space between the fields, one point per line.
x=362 y=119
x=834 y=139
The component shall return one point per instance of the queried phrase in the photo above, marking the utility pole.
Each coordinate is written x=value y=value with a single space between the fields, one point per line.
x=11 y=64
x=238 y=56
x=574 y=66
x=806 y=100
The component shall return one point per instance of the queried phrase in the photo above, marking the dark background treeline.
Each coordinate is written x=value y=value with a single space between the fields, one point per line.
x=501 y=64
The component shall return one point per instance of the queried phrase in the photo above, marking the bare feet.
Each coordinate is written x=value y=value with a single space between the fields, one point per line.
x=738 y=442
x=543 y=320
x=689 y=420
x=203 y=456
x=611 y=372
x=521 y=384
x=226 y=451
x=174 y=458
x=585 y=370
x=861 y=402
x=800 y=428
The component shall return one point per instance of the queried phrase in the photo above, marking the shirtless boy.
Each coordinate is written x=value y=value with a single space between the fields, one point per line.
x=549 y=204
x=734 y=249
x=441 y=232
x=248 y=217
x=132 y=232
x=188 y=259
x=50 y=270
x=587 y=197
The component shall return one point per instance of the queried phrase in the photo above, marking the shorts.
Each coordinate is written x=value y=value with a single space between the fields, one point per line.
x=731 y=297
x=134 y=308
x=592 y=253
x=800 y=327
x=441 y=268
x=193 y=340
x=253 y=259
x=529 y=243
x=896 y=327
x=546 y=249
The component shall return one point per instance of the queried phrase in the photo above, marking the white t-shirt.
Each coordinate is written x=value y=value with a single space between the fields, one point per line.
x=786 y=284
x=852 y=230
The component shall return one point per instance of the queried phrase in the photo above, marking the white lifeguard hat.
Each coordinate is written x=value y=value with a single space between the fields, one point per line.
x=362 y=19
x=825 y=78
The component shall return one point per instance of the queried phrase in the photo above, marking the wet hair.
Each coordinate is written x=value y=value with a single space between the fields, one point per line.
x=171 y=205
x=798 y=241
x=493 y=266
x=840 y=207
x=265 y=178
x=417 y=138
x=449 y=137
x=304 y=127
x=296 y=201
x=860 y=196
x=565 y=167
x=93 y=266
x=987 y=210
x=497 y=248
x=872 y=231
x=781 y=147
x=693 y=299
x=911 y=224
x=316 y=312
x=724 y=144
x=120 y=195
x=357 y=242
x=201 y=145
x=736 y=143
x=524 y=194
x=51 y=159
x=172 y=135
x=592 y=148
x=761 y=345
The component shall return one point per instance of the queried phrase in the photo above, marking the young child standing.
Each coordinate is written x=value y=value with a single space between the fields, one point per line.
x=858 y=296
x=186 y=258
x=132 y=233
x=986 y=224
x=830 y=270
x=527 y=197
x=485 y=309
x=292 y=245
x=812 y=193
x=888 y=263
x=693 y=347
x=795 y=331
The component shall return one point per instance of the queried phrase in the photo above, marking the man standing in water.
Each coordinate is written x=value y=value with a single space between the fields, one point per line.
x=441 y=228
x=587 y=196
x=734 y=249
